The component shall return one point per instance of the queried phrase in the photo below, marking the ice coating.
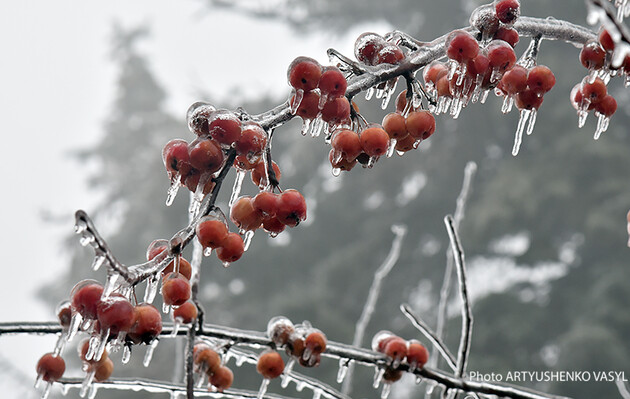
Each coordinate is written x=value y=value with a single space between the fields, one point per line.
x=197 y=117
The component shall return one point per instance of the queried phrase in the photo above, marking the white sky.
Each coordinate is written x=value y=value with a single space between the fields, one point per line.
x=56 y=86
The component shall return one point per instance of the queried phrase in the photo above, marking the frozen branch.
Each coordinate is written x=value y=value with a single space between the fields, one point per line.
x=430 y=335
x=460 y=207
x=467 y=319
x=375 y=290
x=623 y=389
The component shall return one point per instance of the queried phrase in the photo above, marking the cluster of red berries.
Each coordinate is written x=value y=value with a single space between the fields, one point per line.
x=495 y=20
x=350 y=147
x=318 y=92
x=175 y=282
x=269 y=210
x=526 y=86
x=587 y=96
x=373 y=49
x=207 y=363
x=398 y=350
x=193 y=164
x=102 y=368
x=302 y=342
x=597 y=56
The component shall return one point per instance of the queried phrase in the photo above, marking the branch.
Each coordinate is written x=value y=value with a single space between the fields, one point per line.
x=469 y=172
x=336 y=350
x=467 y=319
x=623 y=390
x=375 y=289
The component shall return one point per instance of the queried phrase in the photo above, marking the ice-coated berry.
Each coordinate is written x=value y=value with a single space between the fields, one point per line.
x=231 y=248
x=211 y=232
x=147 y=324
x=270 y=365
x=374 y=141
x=507 y=10
x=420 y=124
x=86 y=296
x=115 y=314
x=175 y=289
x=291 y=208
x=51 y=367
x=225 y=127
x=304 y=73
x=461 y=46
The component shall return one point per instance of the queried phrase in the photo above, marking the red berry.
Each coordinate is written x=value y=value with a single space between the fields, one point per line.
x=332 y=82
x=51 y=367
x=273 y=225
x=270 y=365
x=346 y=142
x=417 y=354
x=295 y=345
x=401 y=101
x=405 y=144
x=185 y=268
x=390 y=54
x=279 y=330
x=394 y=125
x=206 y=155
x=540 y=79
x=515 y=80
x=231 y=248
x=443 y=87
x=336 y=110
x=501 y=55
x=291 y=208
x=266 y=204
x=186 y=312
x=606 y=41
x=592 y=55
x=176 y=158
x=367 y=47
x=395 y=349
x=225 y=127
x=156 y=248
x=392 y=375
x=461 y=46
x=64 y=314
x=576 y=96
x=147 y=324
x=86 y=295
x=374 y=141
x=594 y=92
x=253 y=140
x=304 y=73
x=115 y=314
x=420 y=124
x=480 y=65
x=211 y=232
x=433 y=71
x=243 y=163
x=102 y=370
x=528 y=99
x=315 y=342
x=259 y=174
x=244 y=216
x=509 y=35
x=309 y=106
x=175 y=289
x=507 y=10
x=83 y=349
x=607 y=106
x=206 y=359
x=197 y=117
x=222 y=378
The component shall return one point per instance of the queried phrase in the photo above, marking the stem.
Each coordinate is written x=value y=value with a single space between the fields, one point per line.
x=467 y=319
x=370 y=303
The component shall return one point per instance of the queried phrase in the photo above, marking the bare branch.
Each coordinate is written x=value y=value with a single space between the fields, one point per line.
x=430 y=335
x=467 y=318
x=623 y=389
x=370 y=303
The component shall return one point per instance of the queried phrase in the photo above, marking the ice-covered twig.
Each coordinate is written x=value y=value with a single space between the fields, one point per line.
x=430 y=335
x=333 y=349
x=467 y=318
x=370 y=303
x=623 y=389
x=85 y=227
x=460 y=207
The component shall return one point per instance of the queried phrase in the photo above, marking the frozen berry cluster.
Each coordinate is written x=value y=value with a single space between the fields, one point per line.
x=302 y=342
x=208 y=364
x=398 y=350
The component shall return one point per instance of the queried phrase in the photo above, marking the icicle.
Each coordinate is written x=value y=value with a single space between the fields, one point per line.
x=126 y=356
x=322 y=101
x=418 y=380
x=524 y=115
x=387 y=388
x=60 y=344
x=226 y=264
x=431 y=387
x=287 y=372
x=592 y=75
x=86 y=240
x=378 y=377
x=65 y=388
x=343 y=370
x=306 y=124
x=240 y=360
x=371 y=162
x=152 y=287
x=452 y=68
x=495 y=75
x=38 y=380
x=98 y=262
x=236 y=189
x=456 y=107
x=508 y=102
x=93 y=391
x=201 y=380
x=582 y=115
x=75 y=323
x=110 y=285
x=369 y=93
x=390 y=88
x=317 y=127
x=532 y=121
x=300 y=385
x=462 y=75
x=87 y=383
x=626 y=79
x=148 y=355
x=297 y=100
x=173 y=189
x=484 y=96
x=379 y=91
x=336 y=172
x=263 y=388
x=118 y=343
x=602 y=125
x=47 y=389
x=166 y=309
x=248 y=239
x=317 y=393
x=392 y=147
x=207 y=251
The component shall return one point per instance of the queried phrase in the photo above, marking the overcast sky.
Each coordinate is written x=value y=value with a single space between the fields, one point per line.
x=57 y=83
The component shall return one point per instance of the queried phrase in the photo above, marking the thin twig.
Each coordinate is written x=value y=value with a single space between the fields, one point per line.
x=460 y=208
x=623 y=389
x=370 y=303
x=467 y=318
x=430 y=335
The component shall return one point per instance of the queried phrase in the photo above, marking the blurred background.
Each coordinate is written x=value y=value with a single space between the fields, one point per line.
x=90 y=93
